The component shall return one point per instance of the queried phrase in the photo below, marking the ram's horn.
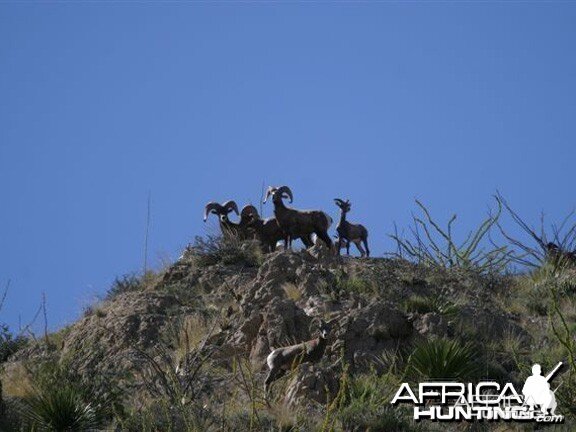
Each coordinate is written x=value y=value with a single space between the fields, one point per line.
x=339 y=202
x=212 y=207
x=230 y=206
x=285 y=190
x=270 y=191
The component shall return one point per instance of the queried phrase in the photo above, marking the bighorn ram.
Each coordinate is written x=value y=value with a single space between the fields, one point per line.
x=228 y=227
x=281 y=360
x=298 y=223
x=348 y=232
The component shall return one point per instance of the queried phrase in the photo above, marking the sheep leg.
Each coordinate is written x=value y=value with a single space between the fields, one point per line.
x=365 y=241
x=323 y=235
x=307 y=240
x=273 y=375
x=348 y=247
x=360 y=248
x=338 y=246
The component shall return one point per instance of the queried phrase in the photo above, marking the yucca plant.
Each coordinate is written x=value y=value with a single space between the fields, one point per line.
x=443 y=359
x=60 y=408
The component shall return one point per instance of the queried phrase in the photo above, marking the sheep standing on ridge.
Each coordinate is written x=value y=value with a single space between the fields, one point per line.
x=298 y=223
x=348 y=232
x=239 y=230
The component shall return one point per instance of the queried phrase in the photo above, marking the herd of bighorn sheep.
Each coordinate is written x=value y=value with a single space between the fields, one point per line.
x=289 y=224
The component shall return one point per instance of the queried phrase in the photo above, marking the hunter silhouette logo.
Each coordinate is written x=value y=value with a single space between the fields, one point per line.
x=537 y=391
x=485 y=400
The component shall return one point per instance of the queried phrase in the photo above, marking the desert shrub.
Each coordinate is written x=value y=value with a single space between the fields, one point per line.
x=10 y=419
x=229 y=250
x=537 y=301
x=566 y=395
x=353 y=284
x=430 y=244
x=123 y=284
x=549 y=245
x=443 y=359
x=163 y=416
x=245 y=421
x=61 y=408
x=425 y=304
x=9 y=343
x=60 y=400
x=365 y=405
x=357 y=418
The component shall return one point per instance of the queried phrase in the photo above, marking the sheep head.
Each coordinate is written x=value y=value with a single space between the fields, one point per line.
x=278 y=193
x=221 y=210
x=344 y=205
x=212 y=208
x=249 y=213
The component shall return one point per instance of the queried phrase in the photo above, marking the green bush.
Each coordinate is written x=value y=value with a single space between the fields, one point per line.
x=366 y=406
x=426 y=304
x=123 y=284
x=227 y=250
x=60 y=400
x=61 y=408
x=163 y=416
x=443 y=359
x=9 y=343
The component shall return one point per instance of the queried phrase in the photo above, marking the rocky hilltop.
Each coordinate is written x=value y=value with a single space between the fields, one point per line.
x=186 y=348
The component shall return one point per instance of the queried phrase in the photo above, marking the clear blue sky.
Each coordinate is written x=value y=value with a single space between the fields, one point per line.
x=377 y=102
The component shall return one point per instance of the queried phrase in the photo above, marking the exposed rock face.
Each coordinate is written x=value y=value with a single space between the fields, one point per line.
x=283 y=324
x=366 y=331
x=312 y=382
x=432 y=324
x=253 y=313
x=103 y=341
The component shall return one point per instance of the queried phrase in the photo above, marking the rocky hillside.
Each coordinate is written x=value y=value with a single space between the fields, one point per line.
x=186 y=348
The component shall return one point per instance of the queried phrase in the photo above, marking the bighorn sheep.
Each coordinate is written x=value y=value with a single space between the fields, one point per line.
x=298 y=223
x=348 y=232
x=228 y=227
x=267 y=231
x=281 y=360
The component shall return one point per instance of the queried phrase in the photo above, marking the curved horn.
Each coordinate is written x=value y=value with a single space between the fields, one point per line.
x=230 y=206
x=270 y=191
x=249 y=211
x=212 y=207
x=339 y=202
x=285 y=190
